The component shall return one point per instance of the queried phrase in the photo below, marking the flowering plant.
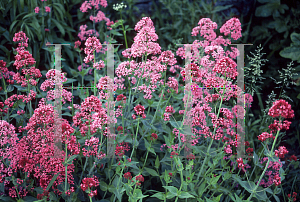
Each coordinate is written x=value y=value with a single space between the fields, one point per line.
x=151 y=130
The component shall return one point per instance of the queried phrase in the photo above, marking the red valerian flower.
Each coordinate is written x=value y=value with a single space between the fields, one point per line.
x=281 y=108
x=128 y=176
x=89 y=183
x=154 y=135
x=139 y=178
x=139 y=109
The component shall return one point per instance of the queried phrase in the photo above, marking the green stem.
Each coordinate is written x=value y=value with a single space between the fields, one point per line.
x=270 y=155
x=124 y=32
x=134 y=146
x=181 y=177
x=145 y=159
x=119 y=182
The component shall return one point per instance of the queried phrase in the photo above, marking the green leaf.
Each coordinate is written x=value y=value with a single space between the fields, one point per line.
x=70 y=160
x=138 y=194
x=267 y=9
x=185 y=195
x=103 y=186
x=67 y=49
x=74 y=73
x=157 y=164
x=114 y=32
x=10 y=88
x=295 y=37
x=58 y=7
x=170 y=195
x=159 y=195
x=12 y=26
x=28 y=16
x=226 y=176
x=214 y=180
x=171 y=189
x=59 y=26
x=250 y=186
x=221 y=8
x=201 y=188
x=291 y=52
x=52 y=181
x=151 y=171
x=176 y=124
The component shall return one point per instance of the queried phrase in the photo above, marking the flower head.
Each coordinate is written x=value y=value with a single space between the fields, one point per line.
x=281 y=108
x=48 y=9
x=37 y=10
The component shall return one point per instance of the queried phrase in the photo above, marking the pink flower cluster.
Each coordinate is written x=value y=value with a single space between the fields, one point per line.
x=88 y=183
x=32 y=154
x=226 y=66
x=24 y=58
x=262 y=137
x=121 y=148
x=88 y=5
x=8 y=140
x=279 y=125
x=273 y=176
x=50 y=83
x=83 y=32
x=128 y=176
x=94 y=143
x=139 y=110
x=37 y=10
x=233 y=27
x=281 y=108
x=281 y=152
x=92 y=44
x=144 y=41
x=139 y=179
x=84 y=117
x=48 y=9
x=169 y=110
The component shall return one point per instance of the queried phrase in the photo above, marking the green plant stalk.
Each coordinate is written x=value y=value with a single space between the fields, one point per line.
x=181 y=177
x=134 y=146
x=134 y=189
x=119 y=181
x=145 y=159
x=124 y=32
x=271 y=153
x=128 y=109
